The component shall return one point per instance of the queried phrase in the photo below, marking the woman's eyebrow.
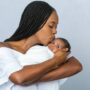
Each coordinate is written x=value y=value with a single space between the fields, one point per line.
x=53 y=22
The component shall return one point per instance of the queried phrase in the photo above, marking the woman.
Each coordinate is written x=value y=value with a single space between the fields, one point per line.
x=37 y=26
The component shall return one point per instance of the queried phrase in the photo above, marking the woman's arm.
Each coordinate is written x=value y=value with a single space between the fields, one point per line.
x=69 y=68
x=32 y=73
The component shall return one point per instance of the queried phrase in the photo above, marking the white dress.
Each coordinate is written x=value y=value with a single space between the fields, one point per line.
x=38 y=54
x=9 y=63
x=12 y=61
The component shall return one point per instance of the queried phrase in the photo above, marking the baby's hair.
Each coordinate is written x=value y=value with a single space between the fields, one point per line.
x=67 y=44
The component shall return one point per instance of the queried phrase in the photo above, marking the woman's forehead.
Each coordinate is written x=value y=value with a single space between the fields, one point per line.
x=53 y=18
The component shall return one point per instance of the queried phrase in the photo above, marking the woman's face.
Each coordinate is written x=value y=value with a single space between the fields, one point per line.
x=46 y=34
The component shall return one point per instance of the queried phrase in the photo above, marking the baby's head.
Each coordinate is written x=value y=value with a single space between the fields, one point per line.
x=59 y=43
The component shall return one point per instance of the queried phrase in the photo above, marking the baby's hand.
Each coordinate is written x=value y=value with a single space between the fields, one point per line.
x=61 y=56
x=61 y=53
x=53 y=48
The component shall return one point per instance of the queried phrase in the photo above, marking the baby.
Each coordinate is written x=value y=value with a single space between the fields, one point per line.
x=61 y=44
x=39 y=54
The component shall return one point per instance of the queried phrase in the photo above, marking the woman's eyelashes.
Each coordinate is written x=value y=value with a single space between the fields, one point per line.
x=51 y=26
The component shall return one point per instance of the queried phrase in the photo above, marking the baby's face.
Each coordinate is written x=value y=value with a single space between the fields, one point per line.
x=57 y=44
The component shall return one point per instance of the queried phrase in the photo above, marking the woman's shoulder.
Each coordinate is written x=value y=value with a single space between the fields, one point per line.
x=2 y=44
x=4 y=49
x=6 y=53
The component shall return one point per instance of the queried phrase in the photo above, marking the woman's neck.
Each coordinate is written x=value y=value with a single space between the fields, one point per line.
x=22 y=45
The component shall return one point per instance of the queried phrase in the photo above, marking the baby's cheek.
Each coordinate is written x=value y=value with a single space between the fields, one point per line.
x=55 y=50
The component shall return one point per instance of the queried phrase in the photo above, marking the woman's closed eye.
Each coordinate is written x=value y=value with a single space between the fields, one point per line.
x=59 y=46
x=51 y=26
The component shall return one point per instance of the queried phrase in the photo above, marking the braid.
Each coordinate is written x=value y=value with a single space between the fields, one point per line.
x=33 y=18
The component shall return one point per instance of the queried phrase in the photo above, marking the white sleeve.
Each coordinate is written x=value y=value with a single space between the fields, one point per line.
x=8 y=63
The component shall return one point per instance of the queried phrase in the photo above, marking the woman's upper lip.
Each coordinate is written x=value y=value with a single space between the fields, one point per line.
x=52 y=39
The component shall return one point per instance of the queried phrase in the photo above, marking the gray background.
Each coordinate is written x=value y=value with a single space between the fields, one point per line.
x=74 y=25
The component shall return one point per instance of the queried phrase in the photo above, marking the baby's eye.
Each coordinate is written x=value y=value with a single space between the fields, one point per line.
x=58 y=46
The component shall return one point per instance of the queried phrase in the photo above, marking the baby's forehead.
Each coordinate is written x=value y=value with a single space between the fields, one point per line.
x=57 y=40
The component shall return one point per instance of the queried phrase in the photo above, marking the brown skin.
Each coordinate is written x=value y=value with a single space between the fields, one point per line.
x=69 y=68
x=57 y=44
x=47 y=33
x=32 y=73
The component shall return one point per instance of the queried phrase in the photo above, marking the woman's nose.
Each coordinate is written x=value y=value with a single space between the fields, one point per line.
x=54 y=31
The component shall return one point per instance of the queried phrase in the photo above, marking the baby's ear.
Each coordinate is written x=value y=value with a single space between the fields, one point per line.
x=65 y=49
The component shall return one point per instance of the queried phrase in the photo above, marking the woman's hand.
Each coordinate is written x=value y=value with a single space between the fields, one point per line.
x=32 y=73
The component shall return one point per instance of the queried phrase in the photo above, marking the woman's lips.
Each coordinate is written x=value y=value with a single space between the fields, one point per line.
x=53 y=38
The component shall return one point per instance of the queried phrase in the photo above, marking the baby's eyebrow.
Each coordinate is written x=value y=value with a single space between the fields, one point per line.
x=60 y=46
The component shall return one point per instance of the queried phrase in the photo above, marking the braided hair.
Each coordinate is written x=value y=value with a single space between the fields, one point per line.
x=33 y=18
